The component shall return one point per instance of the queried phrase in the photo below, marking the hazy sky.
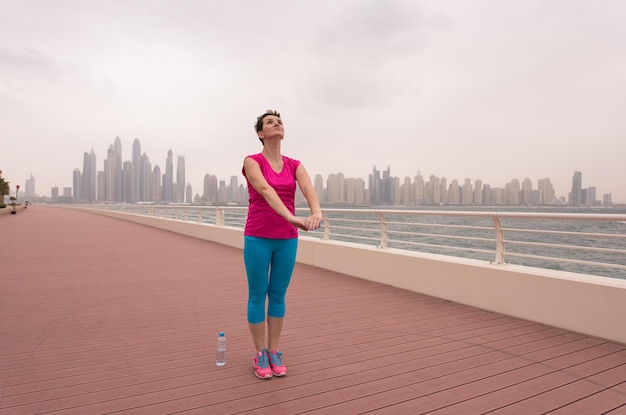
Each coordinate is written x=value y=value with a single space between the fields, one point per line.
x=484 y=89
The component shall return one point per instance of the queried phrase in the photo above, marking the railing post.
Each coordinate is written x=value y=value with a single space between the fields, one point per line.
x=500 y=247
x=326 y=236
x=219 y=216
x=384 y=235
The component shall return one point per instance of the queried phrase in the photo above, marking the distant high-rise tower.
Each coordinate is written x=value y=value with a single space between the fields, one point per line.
x=335 y=188
x=157 y=187
x=419 y=189
x=432 y=189
x=117 y=175
x=454 y=192
x=478 y=192
x=210 y=189
x=512 y=192
x=388 y=189
x=575 y=198
x=180 y=179
x=188 y=193
x=443 y=185
x=467 y=192
x=88 y=178
x=76 y=184
x=546 y=191
x=591 y=196
x=527 y=191
x=137 y=179
x=233 y=190
x=376 y=188
x=168 y=178
x=30 y=187
x=109 y=186
x=354 y=191
x=100 y=186
x=146 y=179
x=127 y=179
x=319 y=187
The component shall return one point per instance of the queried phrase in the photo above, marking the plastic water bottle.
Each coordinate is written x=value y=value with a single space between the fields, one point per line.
x=221 y=350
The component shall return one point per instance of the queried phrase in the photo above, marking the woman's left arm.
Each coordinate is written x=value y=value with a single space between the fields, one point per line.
x=304 y=182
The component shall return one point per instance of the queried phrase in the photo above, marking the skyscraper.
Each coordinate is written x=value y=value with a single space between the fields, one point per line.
x=157 y=187
x=335 y=189
x=319 y=187
x=419 y=191
x=30 y=187
x=117 y=175
x=168 y=178
x=478 y=192
x=180 y=179
x=467 y=192
x=108 y=175
x=354 y=191
x=210 y=189
x=432 y=189
x=76 y=184
x=137 y=172
x=454 y=192
x=388 y=187
x=546 y=191
x=127 y=179
x=233 y=190
x=575 y=197
x=145 y=186
x=188 y=194
x=375 y=187
x=88 y=178
x=591 y=196
x=527 y=191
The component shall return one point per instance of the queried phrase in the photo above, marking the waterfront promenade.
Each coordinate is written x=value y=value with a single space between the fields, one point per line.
x=99 y=315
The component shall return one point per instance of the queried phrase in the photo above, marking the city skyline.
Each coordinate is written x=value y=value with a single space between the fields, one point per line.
x=139 y=180
x=481 y=89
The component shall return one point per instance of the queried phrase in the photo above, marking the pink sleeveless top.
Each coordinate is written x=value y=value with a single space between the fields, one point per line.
x=263 y=221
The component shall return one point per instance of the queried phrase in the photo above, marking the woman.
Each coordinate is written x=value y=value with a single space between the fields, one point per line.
x=271 y=238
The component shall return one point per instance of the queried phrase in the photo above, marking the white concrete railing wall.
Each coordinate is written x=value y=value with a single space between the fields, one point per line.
x=581 y=303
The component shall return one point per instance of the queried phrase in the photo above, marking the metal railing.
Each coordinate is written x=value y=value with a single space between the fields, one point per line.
x=588 y=243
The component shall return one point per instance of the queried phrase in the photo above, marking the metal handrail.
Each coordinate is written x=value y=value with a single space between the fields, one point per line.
x=397 y=228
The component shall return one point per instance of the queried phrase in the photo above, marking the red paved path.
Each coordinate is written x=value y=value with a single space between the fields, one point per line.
x=102 y=316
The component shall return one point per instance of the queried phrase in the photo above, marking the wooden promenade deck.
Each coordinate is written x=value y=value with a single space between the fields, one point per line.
x=102 y=316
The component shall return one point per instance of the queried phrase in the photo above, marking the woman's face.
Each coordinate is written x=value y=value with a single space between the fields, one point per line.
x=272 y=126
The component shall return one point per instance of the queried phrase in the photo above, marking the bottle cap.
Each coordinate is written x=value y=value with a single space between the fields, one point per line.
x=221 y=334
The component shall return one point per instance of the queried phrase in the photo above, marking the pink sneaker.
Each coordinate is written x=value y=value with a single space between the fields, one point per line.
x=262 y=368
x=276 y=363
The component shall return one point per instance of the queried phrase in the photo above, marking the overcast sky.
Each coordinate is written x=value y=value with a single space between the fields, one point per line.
x=484 y=89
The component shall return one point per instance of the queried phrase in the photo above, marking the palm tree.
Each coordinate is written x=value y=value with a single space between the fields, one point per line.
x=4 y=189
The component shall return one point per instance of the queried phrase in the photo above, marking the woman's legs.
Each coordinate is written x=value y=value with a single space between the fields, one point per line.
x=274 y=329
x=276 y=257
x=283 y=262
x=257 y=256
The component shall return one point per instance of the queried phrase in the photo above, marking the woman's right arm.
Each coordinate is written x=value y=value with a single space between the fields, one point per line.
x=256 y=179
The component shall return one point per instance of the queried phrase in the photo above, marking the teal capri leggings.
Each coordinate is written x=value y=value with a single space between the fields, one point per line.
x=269 y=265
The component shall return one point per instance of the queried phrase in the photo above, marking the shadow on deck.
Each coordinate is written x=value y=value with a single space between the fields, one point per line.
x=105 y=316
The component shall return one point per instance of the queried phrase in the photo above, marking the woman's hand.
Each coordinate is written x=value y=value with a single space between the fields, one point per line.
x=307 y=224
x=299 y=223
x=313 y=222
